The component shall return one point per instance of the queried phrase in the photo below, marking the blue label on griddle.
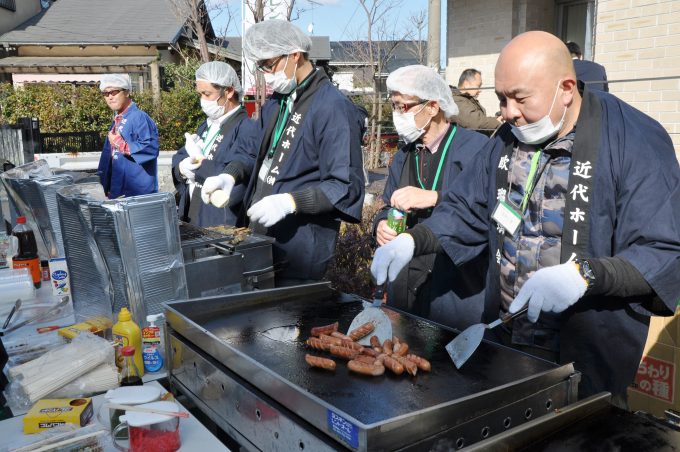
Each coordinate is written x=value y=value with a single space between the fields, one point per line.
x=347 y=431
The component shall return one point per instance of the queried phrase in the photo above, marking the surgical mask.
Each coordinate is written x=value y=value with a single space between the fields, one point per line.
x=212 y=109
x=539 y=131
x=405 y=123
x=279 y=82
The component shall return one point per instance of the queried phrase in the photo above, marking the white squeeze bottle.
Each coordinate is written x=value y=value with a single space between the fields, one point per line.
x=152 y=344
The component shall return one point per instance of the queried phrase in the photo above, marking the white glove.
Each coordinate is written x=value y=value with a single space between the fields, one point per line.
x=550 y=289
x=271 y=209
x=222 y=181
x=390 y=258
x=187 y=168
x=193 y=145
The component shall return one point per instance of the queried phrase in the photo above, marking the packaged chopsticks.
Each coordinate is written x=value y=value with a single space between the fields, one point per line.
x=36 y=379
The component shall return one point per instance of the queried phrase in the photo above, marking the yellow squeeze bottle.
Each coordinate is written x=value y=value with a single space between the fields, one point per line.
x=126 y=332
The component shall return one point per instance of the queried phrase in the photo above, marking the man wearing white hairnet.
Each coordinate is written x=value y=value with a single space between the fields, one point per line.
x=128 y=162
x=435 y=151
x=206 y=152
x=304 y=165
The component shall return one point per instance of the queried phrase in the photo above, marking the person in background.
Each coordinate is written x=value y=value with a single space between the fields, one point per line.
x=471 y=114
x=435 y=152
x=207 y=152
x=589 y=72
x=303 y=163
x=128 y=162
x=576 y=204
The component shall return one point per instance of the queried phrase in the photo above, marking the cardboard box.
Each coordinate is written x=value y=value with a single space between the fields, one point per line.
x=50 y=413
x=657 y=382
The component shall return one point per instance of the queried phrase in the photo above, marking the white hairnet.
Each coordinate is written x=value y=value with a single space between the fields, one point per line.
x=121 y=81
x=425 y=84
x=272 y=38
x=219 y=73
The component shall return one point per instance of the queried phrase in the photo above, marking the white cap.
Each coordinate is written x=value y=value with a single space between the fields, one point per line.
x=121 y=81
x=219 y=73
x=425 y=84
x=272 y=38
x=154 y=317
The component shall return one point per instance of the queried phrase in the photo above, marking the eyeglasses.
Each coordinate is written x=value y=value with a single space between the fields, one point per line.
x=113 y=92
x=267 y=68
x=404 y=108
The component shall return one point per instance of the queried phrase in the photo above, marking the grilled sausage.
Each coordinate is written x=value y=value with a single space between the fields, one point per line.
x=330 y=339
x=422 y=363
x=365 y=359
x=317 y=361
x=400 y=349
x=365 y=368
x=361 y=331
x=387 y=347
x=410 y=366
x=369 y=352
x=318 y=344
x=392 y=364
x=326 y=329
x=341 y=336
x=343 y=352
x=375 y=342
x=353 y=345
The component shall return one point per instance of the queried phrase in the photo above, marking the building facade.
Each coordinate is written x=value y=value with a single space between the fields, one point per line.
x=635 y=40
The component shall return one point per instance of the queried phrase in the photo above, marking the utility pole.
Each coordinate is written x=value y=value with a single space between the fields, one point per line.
x=434 y=33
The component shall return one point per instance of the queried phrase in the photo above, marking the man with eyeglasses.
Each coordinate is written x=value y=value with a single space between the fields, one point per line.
x=303 y=163
x=576 y=204
x=435 y=151
x=128 y=162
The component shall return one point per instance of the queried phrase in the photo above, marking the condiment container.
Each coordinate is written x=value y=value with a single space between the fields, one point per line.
x=150 y=432
x=129 y=395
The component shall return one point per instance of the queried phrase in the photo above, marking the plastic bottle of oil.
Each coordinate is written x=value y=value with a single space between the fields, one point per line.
x=126 y=332
x=27 y=256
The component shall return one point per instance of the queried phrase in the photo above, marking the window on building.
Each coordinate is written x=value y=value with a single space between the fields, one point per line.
x=575 y=22
x=8 y=4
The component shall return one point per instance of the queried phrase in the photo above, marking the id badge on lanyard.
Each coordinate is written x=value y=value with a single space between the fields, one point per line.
x=509 y=216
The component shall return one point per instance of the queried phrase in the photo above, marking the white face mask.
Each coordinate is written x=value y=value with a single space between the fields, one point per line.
x=212 y=109
x=405 y=123
x=279 y=82
x=539 y=131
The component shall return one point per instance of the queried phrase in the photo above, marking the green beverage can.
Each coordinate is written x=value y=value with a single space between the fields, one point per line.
x=396 y=220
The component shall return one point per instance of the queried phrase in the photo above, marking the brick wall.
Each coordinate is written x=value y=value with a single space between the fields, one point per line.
x=641 y=39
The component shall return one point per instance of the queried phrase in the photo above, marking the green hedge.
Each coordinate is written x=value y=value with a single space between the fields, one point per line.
x=69 y=108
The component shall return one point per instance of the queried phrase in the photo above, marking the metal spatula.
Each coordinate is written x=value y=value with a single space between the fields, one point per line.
x=464 y=345
x=373 y=313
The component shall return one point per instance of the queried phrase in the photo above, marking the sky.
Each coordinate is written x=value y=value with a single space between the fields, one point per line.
x=340 y=20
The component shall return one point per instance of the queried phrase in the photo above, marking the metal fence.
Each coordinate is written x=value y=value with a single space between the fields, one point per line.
x=19 y=142
x=70 y=142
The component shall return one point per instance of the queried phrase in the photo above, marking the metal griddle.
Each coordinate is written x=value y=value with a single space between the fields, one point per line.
x=259 y=336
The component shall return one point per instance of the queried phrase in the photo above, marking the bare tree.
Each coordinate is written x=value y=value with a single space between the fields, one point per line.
x=418 y=46
x=374 y=53
x=195 y=15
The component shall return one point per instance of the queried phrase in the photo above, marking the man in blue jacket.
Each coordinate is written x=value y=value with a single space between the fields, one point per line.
x=207 y=152
x=303 y=163
x=589 y=72
x=576 y=204
x=128 y=162
x=435 y=151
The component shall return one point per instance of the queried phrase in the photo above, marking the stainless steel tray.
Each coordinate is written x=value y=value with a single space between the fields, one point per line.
x=260 y=337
